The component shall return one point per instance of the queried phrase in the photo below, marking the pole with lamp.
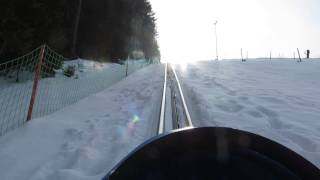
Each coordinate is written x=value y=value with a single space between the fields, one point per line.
x=215 y=27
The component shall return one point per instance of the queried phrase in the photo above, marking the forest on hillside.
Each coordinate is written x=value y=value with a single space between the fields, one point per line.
x=98 y=29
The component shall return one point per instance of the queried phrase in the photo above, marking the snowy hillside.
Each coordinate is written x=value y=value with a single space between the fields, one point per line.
x=279 y=99
x=57 y=91
x=85 y=140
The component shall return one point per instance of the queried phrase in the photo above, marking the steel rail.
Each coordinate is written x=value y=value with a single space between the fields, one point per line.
x=185 y=107
x=163 y=103
x=161 y=125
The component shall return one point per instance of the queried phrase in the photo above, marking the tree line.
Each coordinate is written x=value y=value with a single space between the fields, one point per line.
x=97 y=29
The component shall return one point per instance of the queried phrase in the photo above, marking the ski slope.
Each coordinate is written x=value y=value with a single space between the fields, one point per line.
x=278 y=99
x=85 y=140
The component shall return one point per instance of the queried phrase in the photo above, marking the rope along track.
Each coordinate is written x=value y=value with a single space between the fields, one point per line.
x=173 y=100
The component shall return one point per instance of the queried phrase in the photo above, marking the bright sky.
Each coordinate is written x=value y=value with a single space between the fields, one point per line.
x=186 y=28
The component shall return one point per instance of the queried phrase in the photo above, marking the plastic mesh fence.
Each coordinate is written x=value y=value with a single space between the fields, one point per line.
x=16 y=77
x=61 y=83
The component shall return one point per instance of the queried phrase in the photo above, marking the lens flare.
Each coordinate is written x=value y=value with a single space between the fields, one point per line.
x=133 y=123
x=135 y=119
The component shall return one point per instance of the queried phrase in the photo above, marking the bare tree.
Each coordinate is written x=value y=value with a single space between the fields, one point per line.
x=76 y=26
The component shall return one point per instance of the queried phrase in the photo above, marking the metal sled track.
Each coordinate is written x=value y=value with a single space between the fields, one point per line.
x=163 y=103
x=180 y=114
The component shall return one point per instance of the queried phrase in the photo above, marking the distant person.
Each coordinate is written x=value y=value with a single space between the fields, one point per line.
x=308 y=53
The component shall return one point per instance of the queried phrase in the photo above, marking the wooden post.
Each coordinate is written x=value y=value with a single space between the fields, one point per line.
x=35 y=82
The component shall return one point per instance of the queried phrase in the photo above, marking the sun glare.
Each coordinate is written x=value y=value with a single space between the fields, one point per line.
x=187 y=32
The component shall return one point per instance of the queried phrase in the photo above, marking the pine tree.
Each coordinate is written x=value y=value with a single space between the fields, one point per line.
x=106 y=29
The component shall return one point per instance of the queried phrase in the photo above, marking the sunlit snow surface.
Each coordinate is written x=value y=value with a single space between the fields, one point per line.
x=279 y=99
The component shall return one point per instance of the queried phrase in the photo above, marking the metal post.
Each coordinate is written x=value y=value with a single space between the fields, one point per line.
x=35 y=82
x=127 y=66
x=242 y=56
x=300 y=60
x=215 y=27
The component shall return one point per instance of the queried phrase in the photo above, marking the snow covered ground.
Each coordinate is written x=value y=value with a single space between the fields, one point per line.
x=279 y=99
x=85 y=140
x=57 y=92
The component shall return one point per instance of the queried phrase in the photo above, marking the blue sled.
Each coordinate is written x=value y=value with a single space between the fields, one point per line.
x=213 y=154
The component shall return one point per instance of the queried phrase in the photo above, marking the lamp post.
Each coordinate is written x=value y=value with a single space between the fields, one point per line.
x=215 y=27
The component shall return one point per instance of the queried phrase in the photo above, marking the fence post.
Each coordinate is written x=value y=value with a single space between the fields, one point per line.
x=127 y=66
x=242 y=56
x=35 y=82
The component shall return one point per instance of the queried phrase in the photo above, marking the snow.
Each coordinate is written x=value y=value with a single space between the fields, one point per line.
x=55 y=93
x=278 y=99
x=85 y=140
